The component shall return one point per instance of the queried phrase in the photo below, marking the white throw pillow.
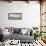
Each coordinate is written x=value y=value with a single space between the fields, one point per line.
x=28 y=31
x=23 y=31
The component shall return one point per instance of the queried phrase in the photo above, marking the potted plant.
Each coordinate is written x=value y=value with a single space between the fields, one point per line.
x=37 y=33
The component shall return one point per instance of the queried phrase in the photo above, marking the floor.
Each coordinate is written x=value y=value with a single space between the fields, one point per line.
x=35 y=43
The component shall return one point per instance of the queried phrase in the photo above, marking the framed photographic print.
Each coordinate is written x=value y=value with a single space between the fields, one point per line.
x=14 y=16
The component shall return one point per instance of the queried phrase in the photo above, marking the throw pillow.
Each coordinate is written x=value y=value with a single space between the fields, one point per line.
x=17 y=30
x=23 y=31
x=11 y=30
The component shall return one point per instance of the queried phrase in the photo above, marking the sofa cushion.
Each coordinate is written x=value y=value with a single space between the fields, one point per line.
x=22 y=38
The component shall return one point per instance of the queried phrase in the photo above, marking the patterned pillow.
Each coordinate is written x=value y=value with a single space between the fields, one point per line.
x=17 y=30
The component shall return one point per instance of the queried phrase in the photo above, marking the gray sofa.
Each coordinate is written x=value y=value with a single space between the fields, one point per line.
x=17 y=35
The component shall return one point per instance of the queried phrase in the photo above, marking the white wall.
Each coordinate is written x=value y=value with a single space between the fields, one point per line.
x=30 y=14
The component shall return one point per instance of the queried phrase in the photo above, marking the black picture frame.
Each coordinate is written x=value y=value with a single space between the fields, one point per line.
x=14 y=16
